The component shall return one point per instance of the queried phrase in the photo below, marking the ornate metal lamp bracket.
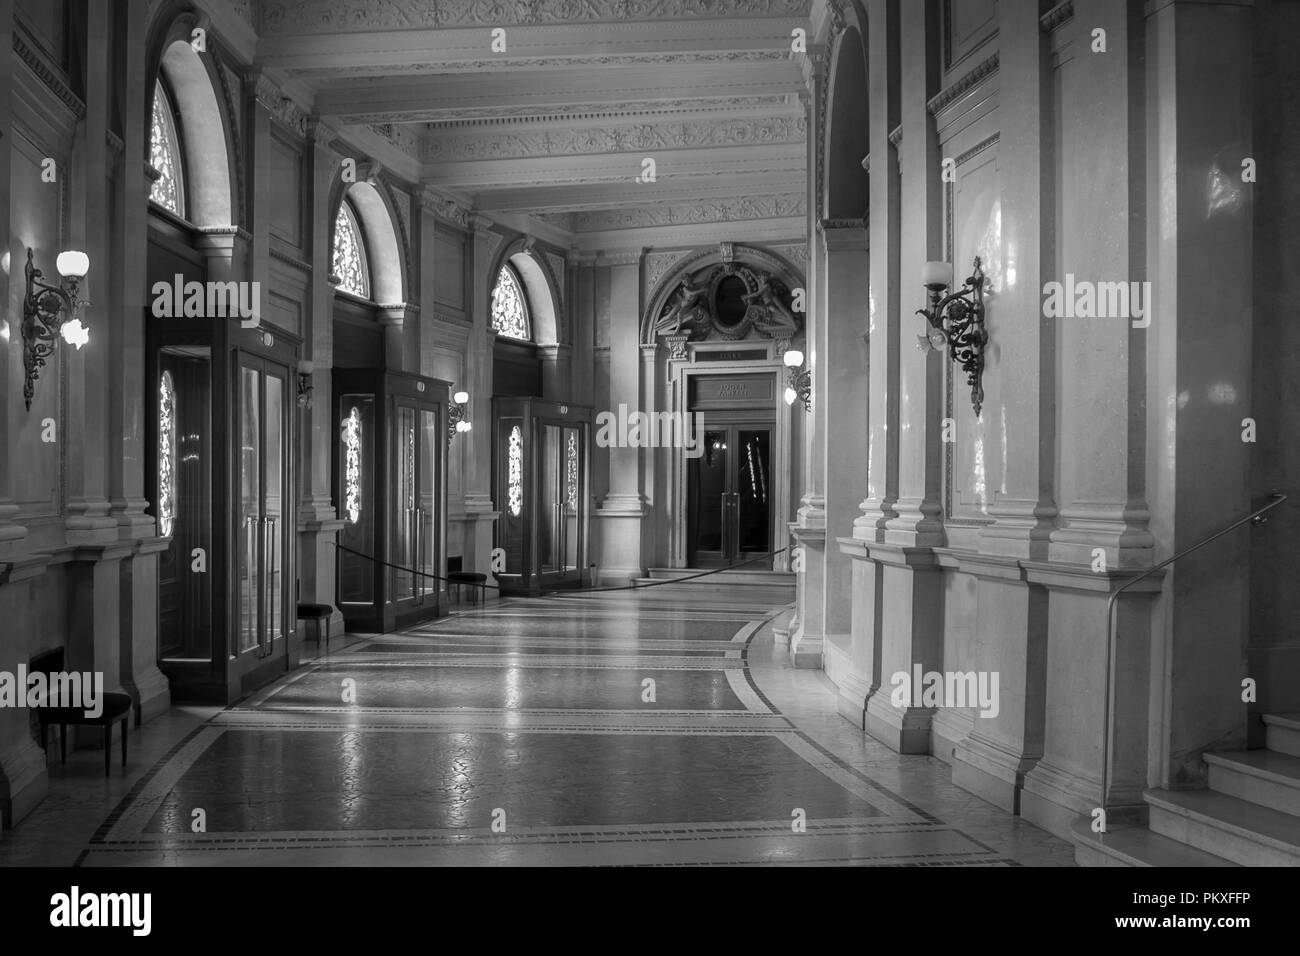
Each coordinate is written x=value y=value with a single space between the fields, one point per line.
x=957 y=321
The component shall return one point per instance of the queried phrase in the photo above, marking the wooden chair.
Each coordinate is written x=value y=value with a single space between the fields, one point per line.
x=116 y=707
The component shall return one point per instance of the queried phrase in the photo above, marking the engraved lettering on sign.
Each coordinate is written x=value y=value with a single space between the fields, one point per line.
x=733 y=390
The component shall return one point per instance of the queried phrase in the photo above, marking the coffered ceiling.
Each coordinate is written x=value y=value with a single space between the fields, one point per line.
x=559 y=125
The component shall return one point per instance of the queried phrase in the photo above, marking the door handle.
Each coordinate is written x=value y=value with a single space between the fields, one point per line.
x=273 y=568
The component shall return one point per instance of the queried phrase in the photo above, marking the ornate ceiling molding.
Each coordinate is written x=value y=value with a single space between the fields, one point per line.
x=689 y=134
x=281 y=108
x=53 y=78
x=531 y=114
x=400 y=136
x=289 y=17
x=1056 y=16
x=501 y=64
x=949 y=94
x=684 y=214
x=445 y=209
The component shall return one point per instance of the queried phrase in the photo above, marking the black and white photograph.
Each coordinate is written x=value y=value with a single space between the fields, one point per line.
x=659 y=435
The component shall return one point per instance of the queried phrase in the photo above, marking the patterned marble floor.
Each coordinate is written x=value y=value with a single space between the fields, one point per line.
x=526 y=733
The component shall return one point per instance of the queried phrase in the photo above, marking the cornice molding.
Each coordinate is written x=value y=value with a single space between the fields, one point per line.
x=680 y=134
x=454 y=67
x=684 y=214
x=289 y=260
x=304 y=17
x=281 y=108
x=28 y=51
x=445 y=209
x=480 y=116
x=946 y=96
x=627 y=257
x=1056 y=16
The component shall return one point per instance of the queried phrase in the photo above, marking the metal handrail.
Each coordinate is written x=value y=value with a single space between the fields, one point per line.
x=1255 y=517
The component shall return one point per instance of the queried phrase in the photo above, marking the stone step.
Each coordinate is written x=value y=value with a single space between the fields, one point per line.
x=1226 y=826
x=769 y=587
x=1258 y=776
x=1134 y=845
x=1283 y=733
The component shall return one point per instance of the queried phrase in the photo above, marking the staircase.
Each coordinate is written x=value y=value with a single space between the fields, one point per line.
x=1249 y=815
x=741 y=586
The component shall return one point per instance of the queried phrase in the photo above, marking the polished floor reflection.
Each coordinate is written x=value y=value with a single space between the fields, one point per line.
x=600 y=729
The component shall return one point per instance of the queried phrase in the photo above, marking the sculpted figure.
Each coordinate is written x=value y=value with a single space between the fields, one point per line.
x=768 y=313
x=685 y=309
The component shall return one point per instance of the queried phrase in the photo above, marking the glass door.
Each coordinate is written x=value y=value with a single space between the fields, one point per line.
x=417 y=445
x=573 y=510
x=730 y=516
x=261 y=531
x=561 y=505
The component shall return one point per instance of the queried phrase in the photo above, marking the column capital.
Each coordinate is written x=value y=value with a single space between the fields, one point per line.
x=396 y=313
x=843 y=235
x=621 y=257
x=481 y=226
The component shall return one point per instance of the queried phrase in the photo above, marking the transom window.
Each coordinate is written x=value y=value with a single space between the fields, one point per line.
x=350 y=253
x=168 y=189
x=510 y=306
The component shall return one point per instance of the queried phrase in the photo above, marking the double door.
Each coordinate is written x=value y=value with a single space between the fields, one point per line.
x=729 y=517
x=540 y=457
x=562 y=501
x=417 y=443
x=222 y=479
x=389 y=477
x=262 y=534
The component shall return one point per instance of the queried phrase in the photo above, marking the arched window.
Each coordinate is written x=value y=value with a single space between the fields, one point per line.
x=165 y=155
x=350 y=253
x=510 y=306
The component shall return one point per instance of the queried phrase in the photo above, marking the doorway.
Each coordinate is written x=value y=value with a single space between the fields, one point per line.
x=222 y=405
x=729 y=489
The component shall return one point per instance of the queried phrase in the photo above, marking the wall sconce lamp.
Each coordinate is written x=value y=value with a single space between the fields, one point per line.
x=800 y=380
x=458 y=415
x=49 y=312
x=957 y=321
x=305 y=370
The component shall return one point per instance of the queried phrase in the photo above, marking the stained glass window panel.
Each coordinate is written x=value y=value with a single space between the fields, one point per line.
x=350 y=254
x=165 y=155
x=166 y=455
x=515 y=473
x=509 y=307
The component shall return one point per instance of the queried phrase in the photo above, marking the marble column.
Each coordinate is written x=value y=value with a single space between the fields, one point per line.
x=840 y=381
x=1011 y=616
x=138 y=630
x=1200 y=353
x=318 y=519
x=23 y=780
x=395 y=321
x=897 y=597
x=557 y=375
x=479 y=512
x=622 y=510
x=809 y=527
x=1101 y=161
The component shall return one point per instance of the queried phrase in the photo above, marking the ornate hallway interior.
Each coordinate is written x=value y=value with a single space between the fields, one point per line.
x=534 y=707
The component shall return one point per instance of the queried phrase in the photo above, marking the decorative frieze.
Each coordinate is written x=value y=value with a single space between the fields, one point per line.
x=337 y=16
x=446 y=209
x=947 y=95
x=1056 y=16
x=281 y=108
x=636 y=137
x=46 y=72
x=685 y=214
